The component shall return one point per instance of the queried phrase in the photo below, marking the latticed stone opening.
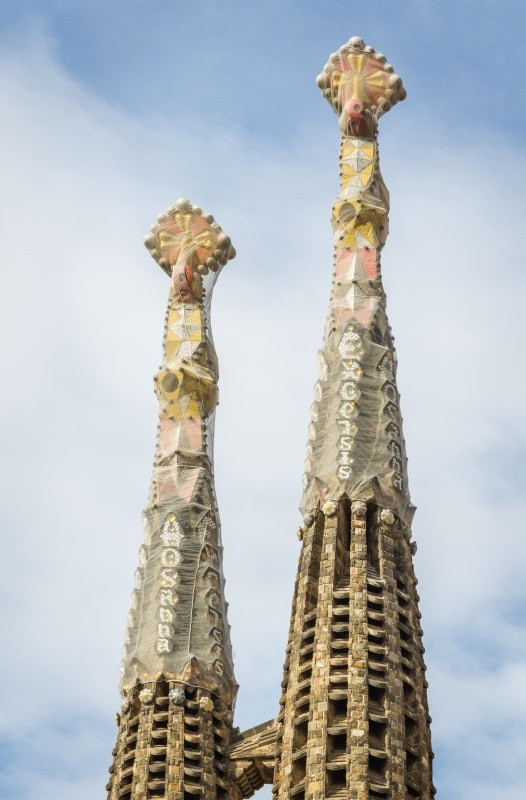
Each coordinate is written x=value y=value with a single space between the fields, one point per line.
x=299 y=765
x=377 y=732
x=336 y=744
x=336 y=779
x=377 y=768
x=301 y=730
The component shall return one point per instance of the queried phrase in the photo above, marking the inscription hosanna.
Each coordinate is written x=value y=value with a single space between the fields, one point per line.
x=171 y=538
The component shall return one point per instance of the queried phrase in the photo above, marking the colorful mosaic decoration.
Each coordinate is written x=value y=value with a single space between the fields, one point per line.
x=356 y=445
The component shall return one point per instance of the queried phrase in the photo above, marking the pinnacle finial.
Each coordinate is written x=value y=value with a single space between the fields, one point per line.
x=186 y=237
x=360 y=86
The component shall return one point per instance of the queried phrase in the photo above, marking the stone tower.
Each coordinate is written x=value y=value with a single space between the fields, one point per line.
x=353 y=720
x=178 y=685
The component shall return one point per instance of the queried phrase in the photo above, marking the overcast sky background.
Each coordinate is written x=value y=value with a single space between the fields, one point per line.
x=111 y=111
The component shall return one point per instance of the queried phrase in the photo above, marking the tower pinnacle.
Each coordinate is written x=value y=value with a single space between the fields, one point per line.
x=178 y=680
x=356 y=447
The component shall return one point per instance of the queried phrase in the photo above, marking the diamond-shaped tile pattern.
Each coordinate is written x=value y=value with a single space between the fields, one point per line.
x=357 y=329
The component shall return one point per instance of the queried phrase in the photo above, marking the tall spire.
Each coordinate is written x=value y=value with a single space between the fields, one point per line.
x=356 y=446
x=178 y=680
x=353 y=721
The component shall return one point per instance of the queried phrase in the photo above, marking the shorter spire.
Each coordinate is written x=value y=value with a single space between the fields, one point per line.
x=178 y=622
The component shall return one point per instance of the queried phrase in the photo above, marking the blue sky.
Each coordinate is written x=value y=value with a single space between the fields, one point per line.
x=113 y=110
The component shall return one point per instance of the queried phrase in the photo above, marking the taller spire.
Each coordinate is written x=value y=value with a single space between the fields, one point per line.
x=353 y=721
x=356 y=446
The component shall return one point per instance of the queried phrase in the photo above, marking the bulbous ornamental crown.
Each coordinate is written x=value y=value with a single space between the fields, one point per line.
x=189 y=245
x=360 y=86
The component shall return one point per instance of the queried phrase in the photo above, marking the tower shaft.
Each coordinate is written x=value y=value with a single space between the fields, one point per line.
x=353 y=721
